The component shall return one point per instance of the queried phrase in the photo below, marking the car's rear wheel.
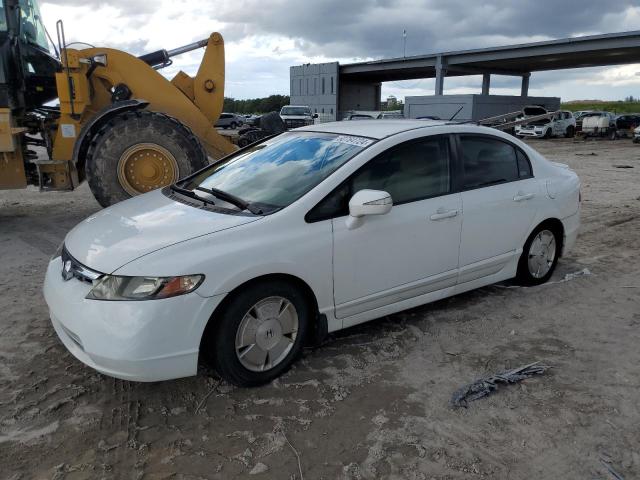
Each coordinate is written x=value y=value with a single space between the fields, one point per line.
x=233 y=125
x=571 y=131
x=259 y=333
x=539 y=256
x=613 y=134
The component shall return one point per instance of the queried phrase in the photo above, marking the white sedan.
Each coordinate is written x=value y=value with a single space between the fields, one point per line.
x=309 y=232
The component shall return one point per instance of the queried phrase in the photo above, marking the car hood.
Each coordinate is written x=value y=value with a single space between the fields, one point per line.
x=128 y=230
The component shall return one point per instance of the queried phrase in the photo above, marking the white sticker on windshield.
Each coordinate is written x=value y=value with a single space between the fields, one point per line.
x=351 y=140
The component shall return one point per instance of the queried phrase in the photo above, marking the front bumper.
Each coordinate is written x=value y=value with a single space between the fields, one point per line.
x=529 y=133
x=144 y=341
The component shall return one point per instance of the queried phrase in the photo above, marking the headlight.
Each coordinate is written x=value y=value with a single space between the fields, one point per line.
x=113 y=287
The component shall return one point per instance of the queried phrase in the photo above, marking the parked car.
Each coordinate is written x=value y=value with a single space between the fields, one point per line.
x=390 y=115
x=579 y=115
x=252 y=120
x=599 y=124
x=308 y=232
x=636 y=135
x=561 y=124
x=359 y=116
x=230 y=120
x=297 y=116
x=627 y=123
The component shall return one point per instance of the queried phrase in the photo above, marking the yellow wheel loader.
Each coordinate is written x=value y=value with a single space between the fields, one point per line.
x=120 y=124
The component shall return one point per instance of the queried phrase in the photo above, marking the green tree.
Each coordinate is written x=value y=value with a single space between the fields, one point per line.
x=255 y=105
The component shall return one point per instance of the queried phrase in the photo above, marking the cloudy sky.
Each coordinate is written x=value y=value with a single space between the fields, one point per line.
x=263 y=38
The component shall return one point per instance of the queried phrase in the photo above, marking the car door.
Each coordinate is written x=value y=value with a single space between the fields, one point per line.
x=413 y=249
x=500 y=198
x=557 y=123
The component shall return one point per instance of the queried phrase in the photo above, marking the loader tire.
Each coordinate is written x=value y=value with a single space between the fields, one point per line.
x=138 y=151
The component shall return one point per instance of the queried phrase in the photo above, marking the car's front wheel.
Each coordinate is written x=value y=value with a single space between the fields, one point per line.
x=259 y=333
x=539 y=256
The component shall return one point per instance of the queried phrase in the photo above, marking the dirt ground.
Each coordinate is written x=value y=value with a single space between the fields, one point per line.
x=373 y=401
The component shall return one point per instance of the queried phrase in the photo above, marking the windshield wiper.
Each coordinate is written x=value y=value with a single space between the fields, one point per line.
x=190 y=194
x=232 y=199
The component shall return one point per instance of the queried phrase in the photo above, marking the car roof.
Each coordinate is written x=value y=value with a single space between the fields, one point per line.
x=377 y=129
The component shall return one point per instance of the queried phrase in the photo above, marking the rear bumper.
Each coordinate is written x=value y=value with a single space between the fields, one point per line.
x=142 y=341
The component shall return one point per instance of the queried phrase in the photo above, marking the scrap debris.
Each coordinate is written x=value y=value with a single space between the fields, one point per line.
x=610 y=469
x=484 y=386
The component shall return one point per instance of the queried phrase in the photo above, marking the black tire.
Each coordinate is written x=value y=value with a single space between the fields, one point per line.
x=613 y=134
x=233 y=125
x=548 y=133
x=571 y=132
x=636 y=140
x=127 y=129
x=219 y=342
x=524 y=276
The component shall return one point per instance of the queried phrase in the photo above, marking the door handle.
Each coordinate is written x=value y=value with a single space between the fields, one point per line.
x=442 y=214
x=520 y=196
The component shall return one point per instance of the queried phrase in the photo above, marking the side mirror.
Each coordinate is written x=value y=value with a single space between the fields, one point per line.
x=315 y=115
x=367 y=202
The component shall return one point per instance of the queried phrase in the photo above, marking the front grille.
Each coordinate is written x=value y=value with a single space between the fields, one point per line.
x=295 y=123
x=71 y=268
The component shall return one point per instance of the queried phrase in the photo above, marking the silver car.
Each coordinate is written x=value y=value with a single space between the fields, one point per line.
x=229 y=120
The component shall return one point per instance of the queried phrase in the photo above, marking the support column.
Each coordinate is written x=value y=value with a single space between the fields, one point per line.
x=441 y=72
x=524 y=91
x=486 y=83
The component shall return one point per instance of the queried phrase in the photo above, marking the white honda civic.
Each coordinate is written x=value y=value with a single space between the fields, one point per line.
x=308 y=232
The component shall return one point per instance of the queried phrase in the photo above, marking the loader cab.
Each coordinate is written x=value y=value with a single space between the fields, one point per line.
x=27 y=68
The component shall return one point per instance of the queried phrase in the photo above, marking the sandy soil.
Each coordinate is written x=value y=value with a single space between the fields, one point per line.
x=373 y=401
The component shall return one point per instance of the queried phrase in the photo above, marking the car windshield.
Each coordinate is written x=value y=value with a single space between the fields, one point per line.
x=295 y=111
x=275 y=173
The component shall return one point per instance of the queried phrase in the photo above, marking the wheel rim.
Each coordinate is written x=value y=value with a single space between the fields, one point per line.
x=266 y=334
x=146 y=166
x=542 y=253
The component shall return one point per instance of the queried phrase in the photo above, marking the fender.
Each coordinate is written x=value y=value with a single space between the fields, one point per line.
x=90 y=128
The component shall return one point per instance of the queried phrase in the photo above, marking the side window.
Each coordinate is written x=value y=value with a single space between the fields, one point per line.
x=524 y=166
x=410 y=172
x=487 y=161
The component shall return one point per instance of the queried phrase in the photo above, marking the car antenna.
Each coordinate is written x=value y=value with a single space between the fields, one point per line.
x=457 y=112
